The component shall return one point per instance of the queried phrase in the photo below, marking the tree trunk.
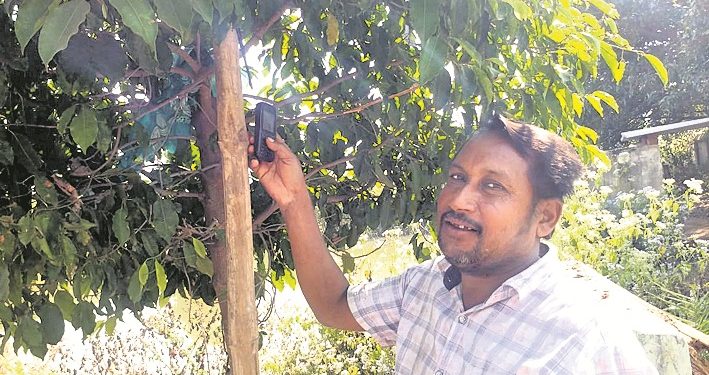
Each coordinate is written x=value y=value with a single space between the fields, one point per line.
x=239 y=320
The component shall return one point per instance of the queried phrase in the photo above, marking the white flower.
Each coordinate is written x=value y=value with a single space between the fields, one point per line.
x=606 y=190
x=623 y=157
x=650 y=192
x=578 y=184
x=669 y=181
x=695 y=185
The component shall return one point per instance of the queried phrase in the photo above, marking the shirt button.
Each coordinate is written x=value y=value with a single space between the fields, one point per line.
x=462 y=319
x=438 y=372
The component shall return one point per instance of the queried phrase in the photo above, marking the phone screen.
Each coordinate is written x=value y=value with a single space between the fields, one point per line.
x=269 y=121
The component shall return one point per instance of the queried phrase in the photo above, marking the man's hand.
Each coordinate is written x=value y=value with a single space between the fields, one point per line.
x=283 y=177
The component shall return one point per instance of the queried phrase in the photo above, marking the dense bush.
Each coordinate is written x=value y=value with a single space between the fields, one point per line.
x=678 y=155
x=637 y=240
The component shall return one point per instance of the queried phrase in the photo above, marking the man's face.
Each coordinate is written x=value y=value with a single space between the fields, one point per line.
x=486 y=219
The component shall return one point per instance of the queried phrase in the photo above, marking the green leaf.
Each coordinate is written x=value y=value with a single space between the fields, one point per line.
x=7 y=243
x=84 y=128
x=26 y=231
x=348 y=264
x=135 y=289
x=333 y=30
x=383 y=178
x=61 y=23
x=190 y=255
x=143 y=274
x=52 y=322
x=658 y=66
x=165 y=218
x=65 y=302
x=289 y=278
x=204 y=8
x=29 y=331
x=595 y=103
x=7 y=156
x=30 y=18
x=110 y=325
x=69 y=250
x=605 y=7
x=224 y=7
x=104 y=137
x=608 y=99
x=120 y=226
x=160 y=277
x=45 y=190
x=485 y=82
x=139 y=16
x=521 y=10
x=424 y=17
x=199 y=247
x=65 y=119
x=599 y=154
x=176 y=14
x=4 y=283
x=587 y=133
x=470 y=50
x=432 y=59
x=84 y=318
x=611 y=58
x=205 y=266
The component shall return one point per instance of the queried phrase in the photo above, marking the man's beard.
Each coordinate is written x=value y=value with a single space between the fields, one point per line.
x=472 y=260
x=465 y=260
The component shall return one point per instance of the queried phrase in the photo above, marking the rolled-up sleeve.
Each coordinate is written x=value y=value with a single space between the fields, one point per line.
x=377 y=307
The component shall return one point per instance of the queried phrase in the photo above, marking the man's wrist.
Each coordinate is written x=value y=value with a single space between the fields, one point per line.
x=295 y=208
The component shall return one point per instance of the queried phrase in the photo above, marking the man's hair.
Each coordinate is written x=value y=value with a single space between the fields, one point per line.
x=553 y=164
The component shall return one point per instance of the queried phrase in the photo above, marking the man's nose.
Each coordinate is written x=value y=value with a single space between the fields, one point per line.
x=465 y=199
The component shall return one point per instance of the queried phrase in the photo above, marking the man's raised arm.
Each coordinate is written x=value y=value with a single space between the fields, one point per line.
x=323 y=283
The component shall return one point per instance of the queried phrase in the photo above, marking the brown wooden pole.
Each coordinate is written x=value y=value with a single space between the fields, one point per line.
x=241 y=336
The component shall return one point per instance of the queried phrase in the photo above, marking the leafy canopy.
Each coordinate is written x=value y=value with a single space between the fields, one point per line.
x=109 y=156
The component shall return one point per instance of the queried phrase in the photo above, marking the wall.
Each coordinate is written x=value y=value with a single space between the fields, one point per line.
x=634 y=168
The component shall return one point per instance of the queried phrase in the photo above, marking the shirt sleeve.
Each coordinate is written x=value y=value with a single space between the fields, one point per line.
x=377 y=307
x=626 y=358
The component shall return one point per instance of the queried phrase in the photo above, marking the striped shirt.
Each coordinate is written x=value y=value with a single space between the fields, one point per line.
x=534 y=323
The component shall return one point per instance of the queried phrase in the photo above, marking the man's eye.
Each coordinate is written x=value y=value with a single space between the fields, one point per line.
x=456 y=177
x=493 y=186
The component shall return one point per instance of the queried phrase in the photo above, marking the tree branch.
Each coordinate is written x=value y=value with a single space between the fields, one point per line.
x=178 y=194
x=185 y=56
x=359 y=108
x=31 y=125
x=319 y=91
x=261 y=30
x=274 y=207
x=109 y=159
x=192 y=87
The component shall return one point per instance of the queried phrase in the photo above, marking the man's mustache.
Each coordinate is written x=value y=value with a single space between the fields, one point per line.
x=458 y=216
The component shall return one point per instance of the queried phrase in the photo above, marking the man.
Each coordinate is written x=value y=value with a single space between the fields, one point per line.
x=497 y=301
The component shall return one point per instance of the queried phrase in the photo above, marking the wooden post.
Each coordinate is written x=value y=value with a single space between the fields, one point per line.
x=241 y=333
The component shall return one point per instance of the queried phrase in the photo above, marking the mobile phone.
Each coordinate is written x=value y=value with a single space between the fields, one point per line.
x=265 y=128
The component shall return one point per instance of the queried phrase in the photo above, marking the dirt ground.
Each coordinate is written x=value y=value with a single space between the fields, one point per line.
x=697 y=224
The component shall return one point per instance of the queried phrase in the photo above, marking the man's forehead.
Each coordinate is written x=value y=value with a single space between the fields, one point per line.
x=490 y=153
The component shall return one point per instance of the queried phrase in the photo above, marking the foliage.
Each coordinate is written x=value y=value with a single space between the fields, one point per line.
x=111 y=192
x=672 y=30
x=636 y=239
x=678 y=155
x=322 y=350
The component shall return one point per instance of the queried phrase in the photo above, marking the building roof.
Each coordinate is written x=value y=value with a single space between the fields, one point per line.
x=666 y=129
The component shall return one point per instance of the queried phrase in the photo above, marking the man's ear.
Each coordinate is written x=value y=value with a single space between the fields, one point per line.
x=548 y=214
